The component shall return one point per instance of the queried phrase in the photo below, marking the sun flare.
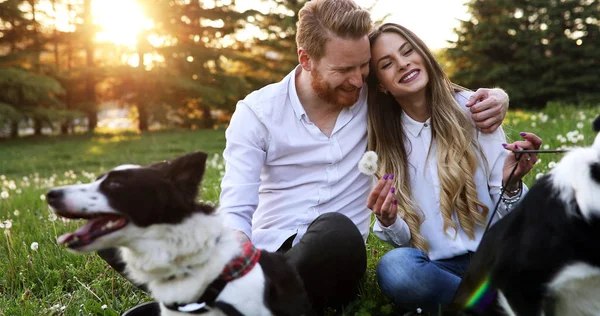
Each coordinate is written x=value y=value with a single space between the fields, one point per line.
x=120 y=21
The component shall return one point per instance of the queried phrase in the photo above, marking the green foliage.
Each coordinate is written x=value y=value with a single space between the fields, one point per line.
x=23 y=88
x=537 y=50
x=25 y=94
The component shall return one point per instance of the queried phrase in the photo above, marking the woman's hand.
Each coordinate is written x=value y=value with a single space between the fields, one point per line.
x=526 y=162
x=382 y=202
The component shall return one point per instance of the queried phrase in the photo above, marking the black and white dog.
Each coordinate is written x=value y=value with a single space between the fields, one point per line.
x=544 y=257
x=178 y=248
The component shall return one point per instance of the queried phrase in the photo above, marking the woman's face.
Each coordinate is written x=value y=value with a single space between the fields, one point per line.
x=398 y=67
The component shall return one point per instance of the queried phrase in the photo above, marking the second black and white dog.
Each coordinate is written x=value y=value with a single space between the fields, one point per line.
x=178 y=248
x=543 y=258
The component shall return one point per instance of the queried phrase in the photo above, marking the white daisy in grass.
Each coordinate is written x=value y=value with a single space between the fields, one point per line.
x=368 y=163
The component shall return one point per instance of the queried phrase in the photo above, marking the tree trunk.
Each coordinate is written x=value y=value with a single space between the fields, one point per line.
x=207 y=119
x=37 y=126
x=142 y=118
x=14 y=129
x=141 y=106
x=64 y=127
x=90 y=81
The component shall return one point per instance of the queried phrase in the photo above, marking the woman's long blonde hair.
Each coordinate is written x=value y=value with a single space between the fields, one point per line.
x=455 y=139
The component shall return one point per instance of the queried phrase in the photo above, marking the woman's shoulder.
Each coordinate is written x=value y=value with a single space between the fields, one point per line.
x=462 y=97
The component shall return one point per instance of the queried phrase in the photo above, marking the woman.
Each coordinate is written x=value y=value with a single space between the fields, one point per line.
x=439 y=177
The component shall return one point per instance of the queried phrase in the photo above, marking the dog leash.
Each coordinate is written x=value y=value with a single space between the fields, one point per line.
x=518 y=155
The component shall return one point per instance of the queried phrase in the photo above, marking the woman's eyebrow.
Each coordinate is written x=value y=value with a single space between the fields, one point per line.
x=388 y=56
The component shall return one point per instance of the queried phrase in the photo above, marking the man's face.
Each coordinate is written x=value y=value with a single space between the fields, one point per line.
x=339 y=75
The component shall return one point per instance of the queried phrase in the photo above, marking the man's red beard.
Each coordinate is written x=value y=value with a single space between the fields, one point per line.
x=334 y=96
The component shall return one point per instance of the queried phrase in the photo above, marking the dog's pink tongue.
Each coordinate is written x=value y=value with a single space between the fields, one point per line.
x=82 y=232
x=65 y=238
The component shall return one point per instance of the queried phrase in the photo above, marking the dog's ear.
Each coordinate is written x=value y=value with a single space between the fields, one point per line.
x=185 y=172
x=596 y=124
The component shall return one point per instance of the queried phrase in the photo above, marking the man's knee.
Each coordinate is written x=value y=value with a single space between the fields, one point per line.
x=334 y=221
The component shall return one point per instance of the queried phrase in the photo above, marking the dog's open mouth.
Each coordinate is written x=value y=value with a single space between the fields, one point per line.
x=97 y=226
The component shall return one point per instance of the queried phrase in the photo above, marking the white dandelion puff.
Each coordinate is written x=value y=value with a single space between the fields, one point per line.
x=4 y=195
x=104 y=307
x=7 y=224
x=52 y=217
x=34 y=246
x=368 y=163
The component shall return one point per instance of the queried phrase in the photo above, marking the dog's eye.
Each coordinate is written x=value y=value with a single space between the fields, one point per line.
x=112 y=184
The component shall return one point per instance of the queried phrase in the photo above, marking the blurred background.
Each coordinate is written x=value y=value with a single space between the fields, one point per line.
x=74 y=66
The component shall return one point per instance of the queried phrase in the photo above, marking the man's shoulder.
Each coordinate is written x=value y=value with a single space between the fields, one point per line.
x=268 y=96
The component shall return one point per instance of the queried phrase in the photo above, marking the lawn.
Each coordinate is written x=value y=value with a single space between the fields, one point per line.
x=39 y=277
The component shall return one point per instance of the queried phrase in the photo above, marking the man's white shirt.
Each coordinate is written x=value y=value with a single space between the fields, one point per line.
x=282 y=172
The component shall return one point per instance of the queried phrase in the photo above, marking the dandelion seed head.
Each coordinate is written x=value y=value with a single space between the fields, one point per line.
x=368 y=163
x=52 y=217
x=7 y=224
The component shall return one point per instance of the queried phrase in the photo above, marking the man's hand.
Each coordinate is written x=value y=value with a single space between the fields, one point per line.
x=488 y=108
x=241 y=235
x=382 y=202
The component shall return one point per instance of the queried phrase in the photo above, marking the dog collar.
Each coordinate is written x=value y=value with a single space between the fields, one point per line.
x=236 y=268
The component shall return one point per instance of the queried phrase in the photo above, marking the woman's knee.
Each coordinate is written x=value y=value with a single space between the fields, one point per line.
x=402 y=276
x=395 y=269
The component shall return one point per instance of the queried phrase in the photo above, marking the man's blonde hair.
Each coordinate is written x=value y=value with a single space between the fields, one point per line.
x=319 y=20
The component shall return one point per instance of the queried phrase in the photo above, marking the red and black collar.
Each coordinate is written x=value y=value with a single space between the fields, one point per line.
x=236 y=268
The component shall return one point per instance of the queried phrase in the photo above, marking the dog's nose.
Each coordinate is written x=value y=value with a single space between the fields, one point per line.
x=54 y=196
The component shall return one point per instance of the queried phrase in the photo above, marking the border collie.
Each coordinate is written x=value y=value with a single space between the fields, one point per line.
x=177 y=248
x=543 y=258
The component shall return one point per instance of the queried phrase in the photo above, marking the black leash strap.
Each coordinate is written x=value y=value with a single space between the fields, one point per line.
x=207 y=302
x=518 y=155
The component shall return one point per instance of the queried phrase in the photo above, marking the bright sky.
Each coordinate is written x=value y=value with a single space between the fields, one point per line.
x=431 y=20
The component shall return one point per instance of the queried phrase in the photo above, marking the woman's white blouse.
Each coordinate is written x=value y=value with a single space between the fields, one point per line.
x=425 y=186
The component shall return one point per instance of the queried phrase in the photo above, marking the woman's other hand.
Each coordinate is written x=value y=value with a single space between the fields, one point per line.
x=382 y=202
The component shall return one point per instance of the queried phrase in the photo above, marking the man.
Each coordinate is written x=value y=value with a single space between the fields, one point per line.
x=291 y=182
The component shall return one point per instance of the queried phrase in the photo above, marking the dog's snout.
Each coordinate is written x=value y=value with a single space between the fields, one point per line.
x=53 y=196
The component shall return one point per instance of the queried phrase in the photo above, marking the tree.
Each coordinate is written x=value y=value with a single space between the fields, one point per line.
x=537 y=50
x=23 y=92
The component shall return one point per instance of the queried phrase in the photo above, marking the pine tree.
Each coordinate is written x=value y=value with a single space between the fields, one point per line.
x=537 y=50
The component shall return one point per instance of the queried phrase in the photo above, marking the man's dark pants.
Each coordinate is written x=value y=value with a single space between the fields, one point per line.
x=331 y=259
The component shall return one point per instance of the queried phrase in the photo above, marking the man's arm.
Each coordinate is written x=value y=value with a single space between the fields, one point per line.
x=245 y=153
x=488 y=108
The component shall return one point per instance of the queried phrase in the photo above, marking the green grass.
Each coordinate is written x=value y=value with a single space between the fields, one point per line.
x=51 y=281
